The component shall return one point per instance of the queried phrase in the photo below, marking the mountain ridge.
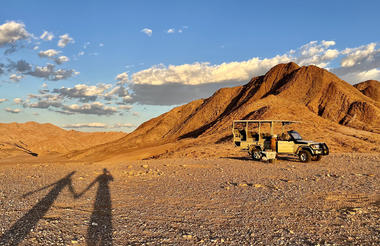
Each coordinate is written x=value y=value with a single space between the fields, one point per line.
x=286 y=91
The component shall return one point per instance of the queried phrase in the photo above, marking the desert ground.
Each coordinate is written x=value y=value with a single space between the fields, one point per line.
x=229 y=199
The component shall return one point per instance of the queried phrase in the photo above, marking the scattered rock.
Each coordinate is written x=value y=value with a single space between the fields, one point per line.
x=187 y=236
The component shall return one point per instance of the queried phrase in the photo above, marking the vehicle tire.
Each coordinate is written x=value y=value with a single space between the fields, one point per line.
x=304 y=155
x=316 y=158
x=256 y=154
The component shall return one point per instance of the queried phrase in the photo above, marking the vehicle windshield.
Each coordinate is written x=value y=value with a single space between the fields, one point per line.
x=295 y=135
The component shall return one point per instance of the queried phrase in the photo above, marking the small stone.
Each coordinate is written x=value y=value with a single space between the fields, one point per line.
x=243 y=185
x=94 y=223
x=258 y=186
x=74 y=241
x=187 y=236
x=144 y=166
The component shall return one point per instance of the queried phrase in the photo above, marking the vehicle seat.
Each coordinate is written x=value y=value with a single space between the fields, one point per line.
x=283 y=137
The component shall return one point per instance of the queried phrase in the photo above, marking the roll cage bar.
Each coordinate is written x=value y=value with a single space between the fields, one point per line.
x=260 y=122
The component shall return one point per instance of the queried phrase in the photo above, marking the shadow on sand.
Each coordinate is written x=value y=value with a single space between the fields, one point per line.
x=99 y=231
x=22 y=227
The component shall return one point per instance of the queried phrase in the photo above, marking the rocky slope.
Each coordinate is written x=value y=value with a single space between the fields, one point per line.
x=370 y=88
x=331 y=110
x=42 y=139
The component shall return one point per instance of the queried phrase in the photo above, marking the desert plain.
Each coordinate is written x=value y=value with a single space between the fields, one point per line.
x=187 y=201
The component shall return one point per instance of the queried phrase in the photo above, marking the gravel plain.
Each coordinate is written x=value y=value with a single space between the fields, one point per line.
x=221 y=201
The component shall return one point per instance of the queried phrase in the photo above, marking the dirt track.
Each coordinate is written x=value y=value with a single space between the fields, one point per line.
x=187 y=201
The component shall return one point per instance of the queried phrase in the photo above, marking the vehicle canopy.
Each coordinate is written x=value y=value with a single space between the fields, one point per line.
x=260 y=122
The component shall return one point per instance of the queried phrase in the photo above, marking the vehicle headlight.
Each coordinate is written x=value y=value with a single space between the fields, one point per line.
x=315 y=146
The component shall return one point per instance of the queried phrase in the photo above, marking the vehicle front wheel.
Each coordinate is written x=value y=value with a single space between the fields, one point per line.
x=304 y=156
x=316 y=158
x=256 y=154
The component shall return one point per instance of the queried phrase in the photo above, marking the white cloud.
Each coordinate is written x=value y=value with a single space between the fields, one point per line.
x=171 y=30
x=86 y=125
x=36 y=47
x=49 y=73
x=48 y=53
x=3 y=100
x=83 y=92
x=101 y=45
x=359 y=54
x=125 y=107
x=122 y=125
x=18 y=100
x=47 y=36
x=20 y=66
x=12 y=31
x=98 y=125
x=80 y=53
x=330 y=54
x=120 y=92
x=96 y=108
x=52 y=54
x=122 y=78
x=316 y=53
x=147 y=31
x=61 y=59
x=43 y=101
x=64 y=40
x=359 y=63
x=357 y=77
x=13 y=111
x=328 y=43
x=15 y=77
x=177 y=84
x=204 y=73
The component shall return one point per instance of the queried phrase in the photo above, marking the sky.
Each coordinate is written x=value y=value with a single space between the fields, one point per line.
x=112 y=65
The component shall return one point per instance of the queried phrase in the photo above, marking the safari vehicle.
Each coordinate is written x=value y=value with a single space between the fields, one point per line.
x=248 y=135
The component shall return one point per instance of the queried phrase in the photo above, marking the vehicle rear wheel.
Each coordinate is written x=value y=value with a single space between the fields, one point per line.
x=256 y=154
x=316 y=158
x=304 y=156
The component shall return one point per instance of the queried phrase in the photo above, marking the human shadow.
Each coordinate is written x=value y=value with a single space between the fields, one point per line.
x=21 y=228
x=240 y=158
x=99 y=231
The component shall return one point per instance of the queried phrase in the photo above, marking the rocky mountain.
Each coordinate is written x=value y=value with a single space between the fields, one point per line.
x=370 y=88
x=332 y=110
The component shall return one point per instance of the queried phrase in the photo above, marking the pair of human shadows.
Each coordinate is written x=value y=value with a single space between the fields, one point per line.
x=100 y=229
x=22 y=227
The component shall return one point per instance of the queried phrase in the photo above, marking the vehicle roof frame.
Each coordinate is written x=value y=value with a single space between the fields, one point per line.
x=271 y=122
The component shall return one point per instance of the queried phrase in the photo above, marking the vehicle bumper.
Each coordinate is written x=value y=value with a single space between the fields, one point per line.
x=324 y=150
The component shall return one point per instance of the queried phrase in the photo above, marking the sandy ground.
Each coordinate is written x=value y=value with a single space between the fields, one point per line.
x=231 y=200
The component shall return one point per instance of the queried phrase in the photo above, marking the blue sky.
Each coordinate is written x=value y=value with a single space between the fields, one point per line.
x=166 y=52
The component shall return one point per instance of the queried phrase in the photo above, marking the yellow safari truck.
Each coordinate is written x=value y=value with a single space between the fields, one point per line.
x=248 y=135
